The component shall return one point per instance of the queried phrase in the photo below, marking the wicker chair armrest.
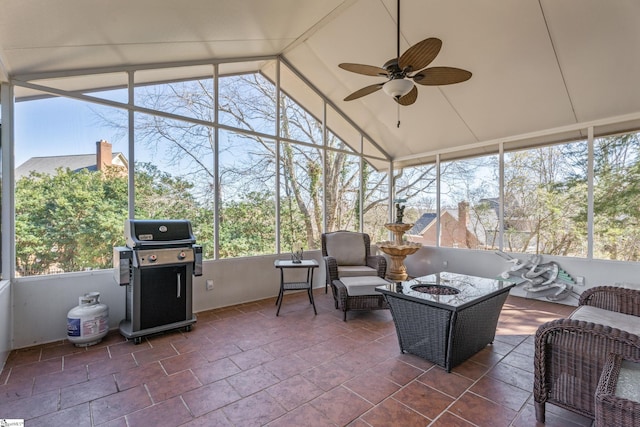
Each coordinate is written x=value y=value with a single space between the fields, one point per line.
x=331 y=266
x=340 y=293
x=613 y=298
x=574 y=346
x=379 y=263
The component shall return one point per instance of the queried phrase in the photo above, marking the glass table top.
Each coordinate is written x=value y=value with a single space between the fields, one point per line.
x=451 y=289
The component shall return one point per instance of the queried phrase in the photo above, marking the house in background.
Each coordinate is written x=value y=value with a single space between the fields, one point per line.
x=457 y=231
x=103 y=158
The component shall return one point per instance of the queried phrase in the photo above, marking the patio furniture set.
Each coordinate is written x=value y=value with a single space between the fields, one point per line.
x=588 y=363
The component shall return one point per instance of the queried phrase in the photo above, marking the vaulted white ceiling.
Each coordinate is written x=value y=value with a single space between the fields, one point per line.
x=536 y=64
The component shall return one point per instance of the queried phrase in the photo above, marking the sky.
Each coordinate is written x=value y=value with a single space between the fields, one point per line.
x=60 y=126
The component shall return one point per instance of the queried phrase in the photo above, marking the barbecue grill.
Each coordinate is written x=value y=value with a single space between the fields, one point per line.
x=157 y=266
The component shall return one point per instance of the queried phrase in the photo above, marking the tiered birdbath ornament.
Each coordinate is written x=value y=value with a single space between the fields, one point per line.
x=398 y=249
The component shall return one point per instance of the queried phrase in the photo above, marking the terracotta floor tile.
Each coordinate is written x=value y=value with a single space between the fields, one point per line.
x=244 y=366
x=423 y=399
x=288 y=366
x=502 y=393
x=113 y=365
x=86 y=357
x=471 y=369
x=481 y=411
x=183 y=361
x=139 y=375
x=514 y=376
x=219 y=350
x=210 y=397
x=329 y=376
x=447 y=419
x=60 y=379
x=397 y=371
x=451 y=383
x=77 y=416
x=340 y=405
x=154 y=354
x=87 y=391
x=216 y=370
x=305 y=415
x=294 y=392
x=31 y=407
x=169 y=413
x=255 y=410
x=252 y=380
x=17 y=390
x=62 y=349
x=23 y=356
x=393 y=413
x=21 y=373
x=372 y=387
x=172 y=385
x=251 y=358
x=119 y=404
x=213 y=418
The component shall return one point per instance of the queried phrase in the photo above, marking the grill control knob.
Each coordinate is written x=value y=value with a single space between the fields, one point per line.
x=153 y=258
x=182 y=255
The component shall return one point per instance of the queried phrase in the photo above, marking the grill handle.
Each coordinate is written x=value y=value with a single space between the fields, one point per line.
x=179 y=276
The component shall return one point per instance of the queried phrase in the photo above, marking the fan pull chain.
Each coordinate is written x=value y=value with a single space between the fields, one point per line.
x=398 y=107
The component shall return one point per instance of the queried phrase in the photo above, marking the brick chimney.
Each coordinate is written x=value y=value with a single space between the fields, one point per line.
x=462 y=236
x=463 y=215
x=103 y=154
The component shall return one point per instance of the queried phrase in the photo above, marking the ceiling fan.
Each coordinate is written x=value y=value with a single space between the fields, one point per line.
x=406 y=69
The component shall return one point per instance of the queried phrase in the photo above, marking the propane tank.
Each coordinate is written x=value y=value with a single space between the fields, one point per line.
x=88 y=322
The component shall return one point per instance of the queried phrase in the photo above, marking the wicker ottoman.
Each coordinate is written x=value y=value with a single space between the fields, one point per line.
x=618 y=393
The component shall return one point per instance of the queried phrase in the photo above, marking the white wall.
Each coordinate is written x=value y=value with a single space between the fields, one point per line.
x=5 y=321
x=488 y=264
x=41 y=303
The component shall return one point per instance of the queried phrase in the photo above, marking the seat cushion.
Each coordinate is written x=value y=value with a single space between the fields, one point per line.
x=356 y=270
x=346 y=247
x=363 y=285
x=626 y=322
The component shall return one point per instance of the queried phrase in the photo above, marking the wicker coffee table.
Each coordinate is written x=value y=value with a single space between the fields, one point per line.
x=446 y=317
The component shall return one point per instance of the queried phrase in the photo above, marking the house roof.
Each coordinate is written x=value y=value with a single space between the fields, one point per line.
x=422 y=223
x=49 y=164
x=540 y=67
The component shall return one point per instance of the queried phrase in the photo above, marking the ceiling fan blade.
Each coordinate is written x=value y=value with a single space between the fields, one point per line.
x=420 y=54
x=364 y=91
x=367 y=70
x=409 y=98
x=436 y=76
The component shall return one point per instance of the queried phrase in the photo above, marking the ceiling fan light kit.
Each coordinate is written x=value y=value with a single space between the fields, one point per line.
x=397 y=88
x=406 y=69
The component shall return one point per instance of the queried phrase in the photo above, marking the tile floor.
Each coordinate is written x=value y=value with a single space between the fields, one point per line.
x=243 y=366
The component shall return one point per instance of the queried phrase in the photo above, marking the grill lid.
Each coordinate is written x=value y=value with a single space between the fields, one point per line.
x=158 y=233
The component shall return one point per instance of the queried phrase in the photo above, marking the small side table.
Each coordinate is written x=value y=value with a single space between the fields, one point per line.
x=310 y=265
x=618 y=393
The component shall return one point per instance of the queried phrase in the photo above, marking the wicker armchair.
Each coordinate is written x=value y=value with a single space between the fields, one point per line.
x=347 y=256
x=570 y=354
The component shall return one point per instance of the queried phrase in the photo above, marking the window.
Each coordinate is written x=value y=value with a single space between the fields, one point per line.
x=376 y=202
x=617 y=198
x=469 y=203
x=70 y=197
x=342 y=188
x=247 y=195
x=415 y=189
x=300 y=196
x=545 y=200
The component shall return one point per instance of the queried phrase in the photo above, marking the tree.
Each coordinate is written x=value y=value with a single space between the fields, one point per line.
x=70 y=221
x=248 y=159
